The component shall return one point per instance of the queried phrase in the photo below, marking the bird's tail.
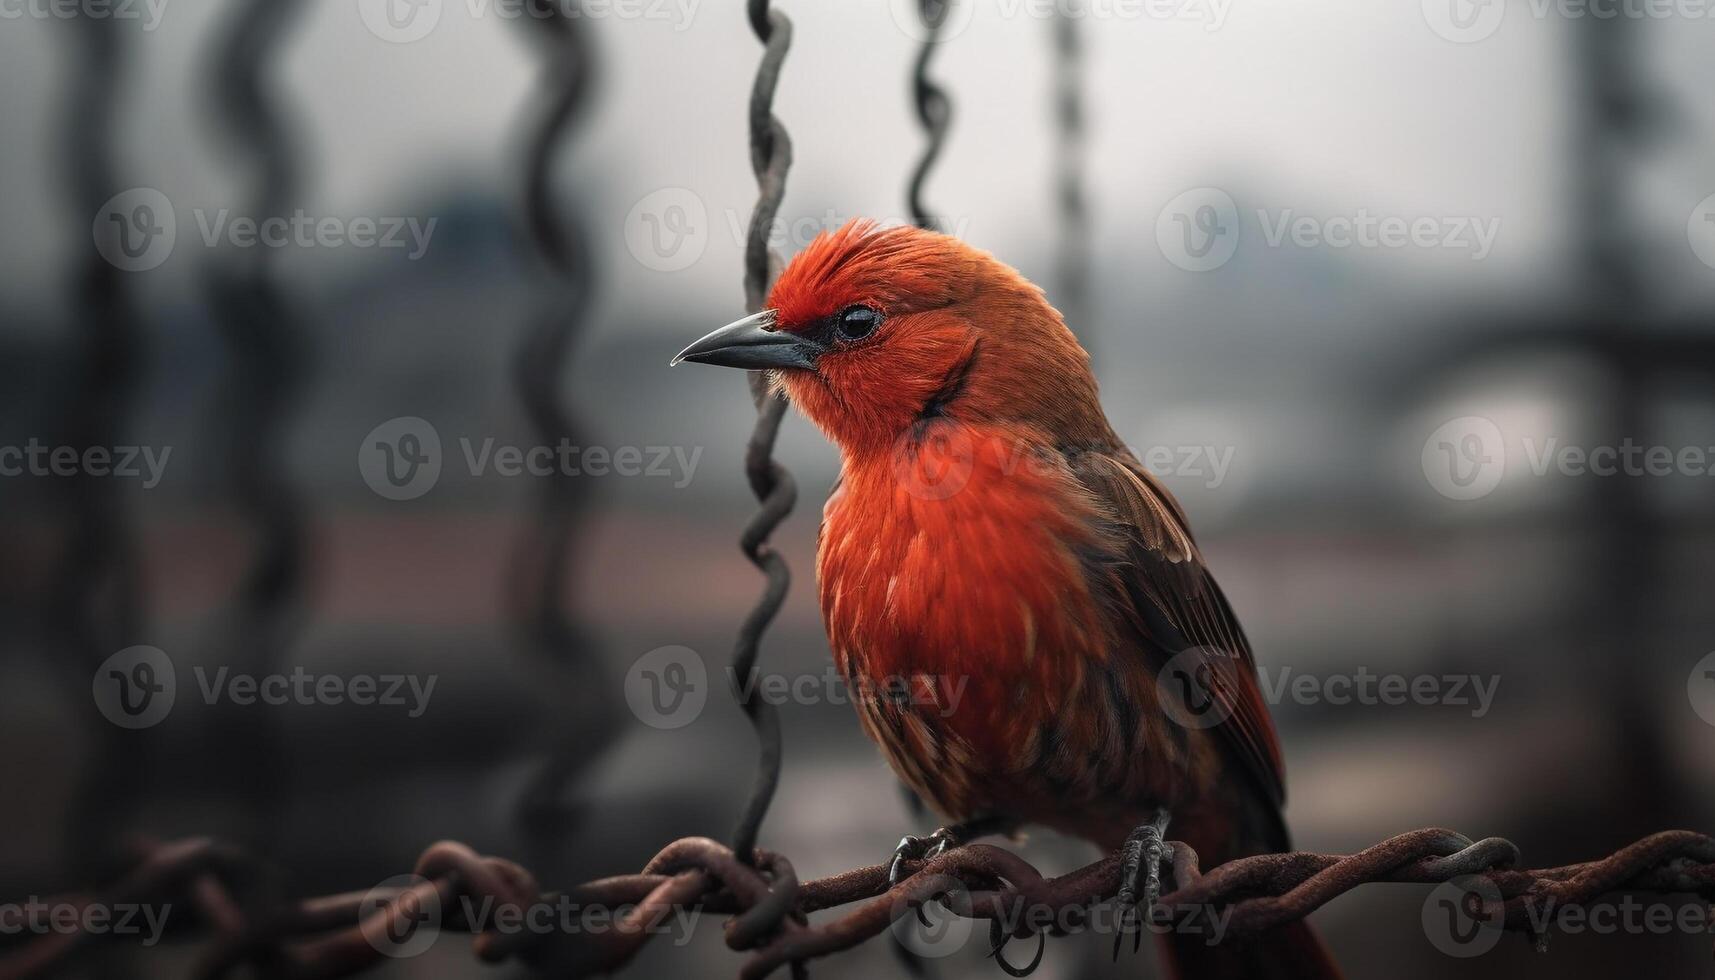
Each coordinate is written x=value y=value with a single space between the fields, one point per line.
x=1289 y=952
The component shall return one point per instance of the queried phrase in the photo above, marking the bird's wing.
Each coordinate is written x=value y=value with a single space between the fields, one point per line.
x=1172 y=602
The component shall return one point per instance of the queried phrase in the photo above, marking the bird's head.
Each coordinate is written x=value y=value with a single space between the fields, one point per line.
x=874 y=331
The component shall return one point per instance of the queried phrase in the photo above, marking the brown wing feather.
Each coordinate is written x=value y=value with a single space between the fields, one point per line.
x=1174 y=604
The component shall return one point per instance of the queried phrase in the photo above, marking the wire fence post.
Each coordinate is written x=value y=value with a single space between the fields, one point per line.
x=934 y=109
x=773 y=486
x=557 y=239
x=1072 y=275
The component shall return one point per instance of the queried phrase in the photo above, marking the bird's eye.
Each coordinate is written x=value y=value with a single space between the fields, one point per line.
x=857 y=322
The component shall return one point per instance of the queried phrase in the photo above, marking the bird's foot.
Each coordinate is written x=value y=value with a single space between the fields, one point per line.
x=941 y=841
x=920 y=849
x=1140 y=875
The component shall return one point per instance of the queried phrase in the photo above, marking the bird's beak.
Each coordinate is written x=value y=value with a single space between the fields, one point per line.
x=753 y=344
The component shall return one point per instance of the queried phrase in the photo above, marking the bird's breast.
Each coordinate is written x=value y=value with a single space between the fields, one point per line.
x=954 y=588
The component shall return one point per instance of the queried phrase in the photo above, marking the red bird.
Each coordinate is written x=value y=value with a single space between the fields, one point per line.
x=994 y=543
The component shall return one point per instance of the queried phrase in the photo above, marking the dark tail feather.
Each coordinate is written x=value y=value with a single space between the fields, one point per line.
x=1290 y=952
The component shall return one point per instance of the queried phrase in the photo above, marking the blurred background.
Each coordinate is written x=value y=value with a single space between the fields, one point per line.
x=1363 y=282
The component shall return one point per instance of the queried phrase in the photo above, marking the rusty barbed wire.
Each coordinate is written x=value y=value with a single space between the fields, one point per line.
x=934 y=109
x=344 y=934
x=557 y=238
x=772 y=485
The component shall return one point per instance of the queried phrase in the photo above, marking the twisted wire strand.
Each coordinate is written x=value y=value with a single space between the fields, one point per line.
x=542 y=557
x=934 y=109
x=96 y=602
x=269 y=366
x=335 y=935
x=770 y=483
x=1071 y=205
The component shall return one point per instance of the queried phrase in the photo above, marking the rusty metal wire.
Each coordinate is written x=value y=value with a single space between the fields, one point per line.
x=934 y=109
x=96 y=602
x=1072 y=277
x=339 y=935
x=772 y=485
x=541 y=563
x=269 y=364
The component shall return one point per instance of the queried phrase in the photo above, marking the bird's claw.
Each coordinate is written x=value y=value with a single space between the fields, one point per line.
x=919 y=849
x=1140 y=876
